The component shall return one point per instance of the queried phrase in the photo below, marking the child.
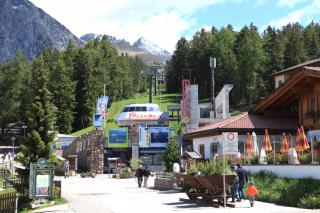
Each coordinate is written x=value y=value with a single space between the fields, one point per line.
x=252 y=192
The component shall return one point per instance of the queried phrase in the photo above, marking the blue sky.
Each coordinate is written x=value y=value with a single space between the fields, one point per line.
x=163 y=22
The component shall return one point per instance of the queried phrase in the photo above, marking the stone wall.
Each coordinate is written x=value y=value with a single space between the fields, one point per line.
x=89 y=149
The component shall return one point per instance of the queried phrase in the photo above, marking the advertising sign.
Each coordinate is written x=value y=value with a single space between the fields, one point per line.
x=118 y=138
x=159 y=136
x=42 y=183
x=230 y=143
x=143 y=132
x=97 y=121
x=41 y=179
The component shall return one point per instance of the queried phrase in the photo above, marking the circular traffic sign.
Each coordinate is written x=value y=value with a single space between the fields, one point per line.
x=230 y=136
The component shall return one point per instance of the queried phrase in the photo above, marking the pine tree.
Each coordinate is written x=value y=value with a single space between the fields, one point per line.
x=273 y=47
x=40 y=118
x=295 y=52
x=226 y=71
x=178 y=66
x=250 y=60
x=312 y=41
x=10 y=89
x=85 y=97
x=172 y=154
x=63 y=90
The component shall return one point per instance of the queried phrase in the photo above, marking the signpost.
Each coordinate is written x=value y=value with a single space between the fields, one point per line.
x=229 y=147
x=41 y=179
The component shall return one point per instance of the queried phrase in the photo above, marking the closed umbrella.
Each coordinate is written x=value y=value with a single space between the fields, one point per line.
x=298 y=146
x=304 y=141
x=255 y=144
x=284 y=145
x=249 y=147
x=266 y=142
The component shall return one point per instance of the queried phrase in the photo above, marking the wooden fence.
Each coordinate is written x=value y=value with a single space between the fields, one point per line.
x=8 y=202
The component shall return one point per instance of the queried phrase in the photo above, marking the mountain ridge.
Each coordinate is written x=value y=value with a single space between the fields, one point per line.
x=150 y=56
x=25 y=27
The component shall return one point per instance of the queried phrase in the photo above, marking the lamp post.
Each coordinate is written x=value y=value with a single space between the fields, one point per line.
x=24 y=129
x=13 y=139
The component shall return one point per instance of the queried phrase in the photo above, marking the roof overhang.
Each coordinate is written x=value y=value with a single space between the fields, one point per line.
x=300 y=83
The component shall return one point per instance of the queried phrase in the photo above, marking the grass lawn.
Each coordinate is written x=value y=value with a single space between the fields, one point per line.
x=58 y=201
x=162 y=100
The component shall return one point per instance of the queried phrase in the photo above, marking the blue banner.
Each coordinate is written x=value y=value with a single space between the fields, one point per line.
x=97 y=121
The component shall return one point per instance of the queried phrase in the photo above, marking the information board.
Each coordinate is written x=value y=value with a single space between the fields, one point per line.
x=41 y=179
x=230 y=143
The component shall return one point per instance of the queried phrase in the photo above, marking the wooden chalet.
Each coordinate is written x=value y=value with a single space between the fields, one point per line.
x=294 y=102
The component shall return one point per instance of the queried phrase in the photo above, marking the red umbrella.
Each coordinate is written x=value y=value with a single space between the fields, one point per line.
x=266 y=142
x=304 y=141
x=284 y=145
x=249 y=147
x=298 y=141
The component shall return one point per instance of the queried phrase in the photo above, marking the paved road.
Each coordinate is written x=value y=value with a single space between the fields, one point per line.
x=104 y=195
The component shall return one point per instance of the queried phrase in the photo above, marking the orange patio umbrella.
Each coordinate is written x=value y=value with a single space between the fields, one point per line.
x=266 y=142
x=298 y=141
x=304 y=141
x=249 y=147
x=284 y=145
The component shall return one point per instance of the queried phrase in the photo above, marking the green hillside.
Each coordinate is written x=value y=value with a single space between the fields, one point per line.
x=162 y=100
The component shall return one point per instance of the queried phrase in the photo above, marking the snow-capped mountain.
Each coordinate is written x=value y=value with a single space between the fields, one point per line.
x=147 y=51
x=148 y=46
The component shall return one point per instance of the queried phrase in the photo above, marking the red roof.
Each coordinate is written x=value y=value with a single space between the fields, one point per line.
x=245 y=122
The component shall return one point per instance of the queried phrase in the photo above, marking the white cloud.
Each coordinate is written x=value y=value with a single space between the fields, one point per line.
x=161 y=22
x=302 y=15
x=288 y=3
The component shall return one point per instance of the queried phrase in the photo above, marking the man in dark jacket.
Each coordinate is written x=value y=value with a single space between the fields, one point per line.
x=243 y=178
x=146 y=175
x=139 y=175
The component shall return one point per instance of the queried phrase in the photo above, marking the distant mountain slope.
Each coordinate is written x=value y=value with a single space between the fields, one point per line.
x=125 y=47
x=148 y=46
x=28 y=28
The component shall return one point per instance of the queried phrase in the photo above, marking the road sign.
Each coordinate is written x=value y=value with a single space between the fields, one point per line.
x=230 y=143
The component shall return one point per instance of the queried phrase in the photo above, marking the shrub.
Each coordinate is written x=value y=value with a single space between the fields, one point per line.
x=310 y=202
x=135 y=163
x=125 y=174
x=214 y=167
x=283 y=159
x=305 y=158
x=290 y=192
x=56 y=192
x=192 y=170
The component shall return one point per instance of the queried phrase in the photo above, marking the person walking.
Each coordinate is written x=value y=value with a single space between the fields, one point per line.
x=146 y=174
x=139 y=175
x=66 y=168
x=243 y=178
x=235 y=185
x=252 y=192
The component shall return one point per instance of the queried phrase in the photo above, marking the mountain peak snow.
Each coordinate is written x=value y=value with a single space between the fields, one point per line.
x=148 y=46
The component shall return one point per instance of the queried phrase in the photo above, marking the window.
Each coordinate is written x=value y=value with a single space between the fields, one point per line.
x=150 y=109
x=204 y=112
x=201 y=149
x=143 y=109
x=138 y=109
x=213 y=149
x=132 y=109
x=125 y=109
x=279 y=83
